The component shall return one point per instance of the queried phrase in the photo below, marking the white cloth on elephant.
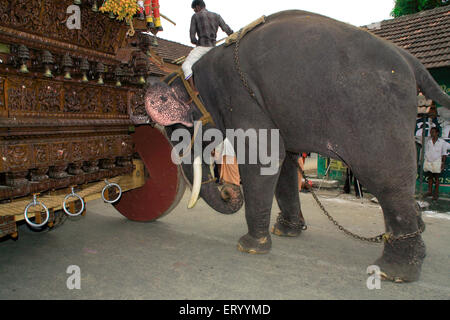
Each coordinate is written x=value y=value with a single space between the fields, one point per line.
x=192 y=58
x=223 y=149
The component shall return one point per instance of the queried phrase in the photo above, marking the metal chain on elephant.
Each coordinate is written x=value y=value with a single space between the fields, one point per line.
x=238 y=67
x=387 y=237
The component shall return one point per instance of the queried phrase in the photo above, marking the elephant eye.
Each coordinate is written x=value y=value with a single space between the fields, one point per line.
x=163 y=98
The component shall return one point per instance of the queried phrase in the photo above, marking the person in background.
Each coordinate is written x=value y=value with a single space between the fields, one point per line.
x=349 y=176
x=302 y=185
x=435 y=157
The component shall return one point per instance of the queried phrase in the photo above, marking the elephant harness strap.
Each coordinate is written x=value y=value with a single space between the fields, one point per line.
x=195 y=98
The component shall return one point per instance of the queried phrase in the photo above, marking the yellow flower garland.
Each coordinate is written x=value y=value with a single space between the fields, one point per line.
x=123 y=9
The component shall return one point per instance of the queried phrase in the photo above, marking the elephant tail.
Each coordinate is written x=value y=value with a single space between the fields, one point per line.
x=425 y=81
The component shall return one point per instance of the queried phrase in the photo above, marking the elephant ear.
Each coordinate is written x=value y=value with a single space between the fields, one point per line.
x=163 y=105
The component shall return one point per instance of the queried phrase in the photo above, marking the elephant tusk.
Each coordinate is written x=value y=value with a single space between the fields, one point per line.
x=197 y=183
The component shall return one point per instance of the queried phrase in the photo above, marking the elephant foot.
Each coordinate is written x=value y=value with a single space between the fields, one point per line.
x=252 y=245
x=284 y=231
x=402 y=260
x=284 y=228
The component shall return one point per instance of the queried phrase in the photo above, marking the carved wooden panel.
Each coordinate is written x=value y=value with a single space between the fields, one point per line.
x=107 y=101
x=2 y=95
x=25 y=96
x=49 y=152
x=17 y=157
x=126 y=146
x=21 y=95
x=49 y=96
x=122 y=103
x=90 y=100
x=3 y=159
x=137 y=107
x=72 y=99
x=41 y=155
x=60 y=153
x=93 y=149
x=77 y=151
x=110 y=147
x=47 y=18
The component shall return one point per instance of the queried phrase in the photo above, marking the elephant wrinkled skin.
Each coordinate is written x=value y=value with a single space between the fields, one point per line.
x=329 y=88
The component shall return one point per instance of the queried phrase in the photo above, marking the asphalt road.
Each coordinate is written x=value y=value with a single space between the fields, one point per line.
x=191 y=254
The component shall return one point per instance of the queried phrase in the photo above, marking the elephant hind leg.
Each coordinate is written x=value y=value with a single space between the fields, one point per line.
x=392 y=182
x=402 y=259
x=290 y=222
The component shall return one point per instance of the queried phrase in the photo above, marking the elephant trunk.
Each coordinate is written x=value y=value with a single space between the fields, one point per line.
x=210 y=191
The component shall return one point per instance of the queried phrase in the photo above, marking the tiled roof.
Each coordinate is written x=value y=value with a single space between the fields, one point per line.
x=425 y=34
x=170 y=50
x=166 y=49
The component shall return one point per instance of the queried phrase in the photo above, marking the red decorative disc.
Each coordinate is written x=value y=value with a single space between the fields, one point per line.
x=165 y=185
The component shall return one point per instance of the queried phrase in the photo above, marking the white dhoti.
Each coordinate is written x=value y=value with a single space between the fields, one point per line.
x=433 y=167
x=226 y=157
x=192 y=58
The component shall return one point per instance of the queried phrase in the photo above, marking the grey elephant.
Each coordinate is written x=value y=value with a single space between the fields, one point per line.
x=329 y=88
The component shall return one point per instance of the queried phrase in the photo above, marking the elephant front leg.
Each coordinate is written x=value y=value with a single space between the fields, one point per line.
x=258 y=191
x=290 y=222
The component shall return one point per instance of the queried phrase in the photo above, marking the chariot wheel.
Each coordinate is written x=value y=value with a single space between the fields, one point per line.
x=164 y=186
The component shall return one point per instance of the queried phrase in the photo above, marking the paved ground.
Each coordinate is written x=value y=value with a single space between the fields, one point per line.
x=191 y=254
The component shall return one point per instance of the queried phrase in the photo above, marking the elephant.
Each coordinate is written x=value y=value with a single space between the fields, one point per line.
x=329 y=88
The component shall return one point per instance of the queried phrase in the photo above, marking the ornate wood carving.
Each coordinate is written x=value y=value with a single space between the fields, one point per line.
x=17 y=157
x=48 y=152
x=107 y=101
x=72 y=99
x=46 y=97
x=60 y=152
x=49 y=96
x=77 y=151
x=91 y=104
x=122 y=103
x=2 y=96
x=137 y=107
x=41 y=154
x=56 y=131
x=21 y=95
x=46 y=18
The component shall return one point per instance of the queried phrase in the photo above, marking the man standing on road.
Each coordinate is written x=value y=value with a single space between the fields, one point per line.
x=435 y=156
x=203 y=32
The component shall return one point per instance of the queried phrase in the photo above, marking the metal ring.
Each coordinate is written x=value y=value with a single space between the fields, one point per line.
x=109 y=185
x=33 y=204
x=73 y=194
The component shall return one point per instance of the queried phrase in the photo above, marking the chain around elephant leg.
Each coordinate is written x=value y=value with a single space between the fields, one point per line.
x=285 y=228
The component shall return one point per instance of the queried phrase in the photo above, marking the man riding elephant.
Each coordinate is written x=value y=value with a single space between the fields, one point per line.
x=203 y=32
